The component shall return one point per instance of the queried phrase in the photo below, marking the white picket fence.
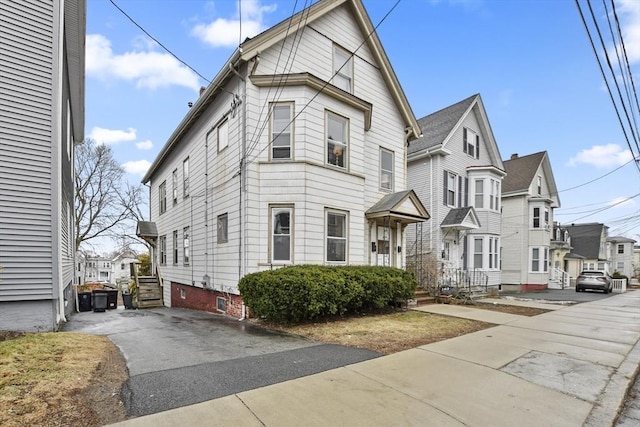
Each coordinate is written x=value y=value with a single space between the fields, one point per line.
x=619 y=285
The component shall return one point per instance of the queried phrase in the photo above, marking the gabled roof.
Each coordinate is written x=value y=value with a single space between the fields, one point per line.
x=403 y=206
x=251 y=48
x=585 y=239
x=439 y=127
x=521 y=171
x=461 y=219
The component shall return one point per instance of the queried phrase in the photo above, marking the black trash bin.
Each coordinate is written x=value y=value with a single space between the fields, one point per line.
x=100 y=301
x=127 y=299
x=112 y=299
x=84 y=301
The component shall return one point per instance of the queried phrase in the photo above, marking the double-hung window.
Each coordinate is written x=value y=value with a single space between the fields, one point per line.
x=478 y=243
x=281 y=135
x=386 y=169
x=185 y=245
x=536 y=217
x=223 y=135
x=620 y=249
x=479 y=193
x=546 y=218
x=185 y=177
x=223 y=227
x=494 y=195
x=539 y=186
x=493 y=253
x=539 y=259
x=342 y=69
x=281 y=232
x=336 y=236
x=337 y=139
x=163 y=250
x=450 y=188
x=471 y=143
x=162 y=197
x=175 y=247
x=174 y=186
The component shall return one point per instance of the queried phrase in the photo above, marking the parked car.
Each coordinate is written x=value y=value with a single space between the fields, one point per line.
x=592 y=279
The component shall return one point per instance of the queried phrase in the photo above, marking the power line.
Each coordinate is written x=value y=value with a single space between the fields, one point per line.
x=158 y=42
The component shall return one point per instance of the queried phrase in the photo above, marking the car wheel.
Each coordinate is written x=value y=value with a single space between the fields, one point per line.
x=577 y=289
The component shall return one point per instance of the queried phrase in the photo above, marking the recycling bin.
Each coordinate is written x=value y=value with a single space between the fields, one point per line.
x=84 y=301
x=100 y=301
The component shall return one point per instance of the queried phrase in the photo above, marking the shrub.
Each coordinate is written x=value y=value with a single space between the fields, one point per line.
x=304 y=292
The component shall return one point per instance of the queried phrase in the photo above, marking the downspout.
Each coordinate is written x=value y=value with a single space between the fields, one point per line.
x=57 y=261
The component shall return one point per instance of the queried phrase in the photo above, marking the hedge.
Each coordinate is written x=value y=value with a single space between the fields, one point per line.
x=304 y=292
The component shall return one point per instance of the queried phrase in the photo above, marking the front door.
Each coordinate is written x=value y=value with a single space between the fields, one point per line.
x=385 y=243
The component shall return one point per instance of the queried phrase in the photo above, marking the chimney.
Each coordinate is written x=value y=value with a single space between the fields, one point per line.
x=202 y=89
x=514 y=156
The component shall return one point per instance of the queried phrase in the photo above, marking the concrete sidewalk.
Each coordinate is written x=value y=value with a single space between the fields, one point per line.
x=568 y=367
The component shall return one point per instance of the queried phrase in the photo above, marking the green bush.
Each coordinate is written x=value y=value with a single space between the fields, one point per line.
x=298 y=293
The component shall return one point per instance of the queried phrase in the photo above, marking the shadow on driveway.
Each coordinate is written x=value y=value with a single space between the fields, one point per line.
x=179 y=357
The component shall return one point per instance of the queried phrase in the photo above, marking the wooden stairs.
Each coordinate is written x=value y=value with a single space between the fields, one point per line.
x=422 y=297
x=149 y=292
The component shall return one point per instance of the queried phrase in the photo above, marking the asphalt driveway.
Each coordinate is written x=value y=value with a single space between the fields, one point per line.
x=568 y=296
x=179 y=357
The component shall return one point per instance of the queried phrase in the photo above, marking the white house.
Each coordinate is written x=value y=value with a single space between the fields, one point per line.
x=529 y=196
x=589 y=247
x=456 y=170
x=41 y=117
x=621 y=253
x=294 y=154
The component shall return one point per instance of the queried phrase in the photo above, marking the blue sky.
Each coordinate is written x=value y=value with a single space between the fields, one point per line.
x=530 y=60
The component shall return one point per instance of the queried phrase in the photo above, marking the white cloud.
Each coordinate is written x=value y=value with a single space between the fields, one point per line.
x=111 y=136
x=148 y=69
x=224 y=32
x=602 y=156
x=144 y=145
x=629 y=14
x=138 y=167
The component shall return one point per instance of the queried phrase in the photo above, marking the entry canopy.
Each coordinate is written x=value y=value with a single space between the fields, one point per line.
x=402 y=207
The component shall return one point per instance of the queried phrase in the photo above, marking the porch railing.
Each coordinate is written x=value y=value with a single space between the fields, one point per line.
x=558 y=279
x=462 y=279
x=619 y=285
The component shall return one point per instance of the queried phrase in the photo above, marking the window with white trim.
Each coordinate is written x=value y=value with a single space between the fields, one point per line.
x=479 y=193
x=223 y=135
x=546 y=218
x=450 y=188
x=539 y=257
x=493 y=253
x=174 y=185
x=175 y=247
x=163 y=250
x=336 y=236
x=539 y=186
x=281 y=135
x=223 y=228
x=477 y=252
x=281 y=233
x=536 y=218
x=446 y=250
x=162 y=197
x=620 y=266
x=471 y=143
x=386 y=169
x=185 y=245
x=342 y=69
x=337 y=139
x=620 y=249
x=494 y=195
x=185 y=177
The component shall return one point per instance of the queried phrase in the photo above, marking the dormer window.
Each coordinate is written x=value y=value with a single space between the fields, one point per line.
x=342 y=69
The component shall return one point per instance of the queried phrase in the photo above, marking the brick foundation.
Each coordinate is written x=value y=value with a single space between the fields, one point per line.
x=532 y=287
x=205 y=300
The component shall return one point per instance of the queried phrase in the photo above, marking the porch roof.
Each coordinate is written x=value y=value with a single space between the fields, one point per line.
x=147 y=229
x=461 y=219
x=404 y=207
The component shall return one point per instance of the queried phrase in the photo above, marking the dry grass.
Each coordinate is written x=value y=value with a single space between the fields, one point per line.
x=52 y=379
x=384 y=333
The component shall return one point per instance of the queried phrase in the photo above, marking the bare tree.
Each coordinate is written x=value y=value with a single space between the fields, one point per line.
x=106 y=204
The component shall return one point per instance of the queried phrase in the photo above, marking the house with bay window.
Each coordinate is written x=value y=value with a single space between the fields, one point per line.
x=456 y=170
x=529 y=196
x=285 y=161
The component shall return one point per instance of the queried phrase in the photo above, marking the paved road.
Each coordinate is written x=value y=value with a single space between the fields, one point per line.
x=179 y=357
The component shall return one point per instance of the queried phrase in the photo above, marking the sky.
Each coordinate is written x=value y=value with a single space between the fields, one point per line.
x=530 y=60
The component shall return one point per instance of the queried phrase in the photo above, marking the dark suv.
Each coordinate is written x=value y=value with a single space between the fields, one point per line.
x=594 y=279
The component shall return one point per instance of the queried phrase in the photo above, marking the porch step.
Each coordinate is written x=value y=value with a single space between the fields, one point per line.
x=422 y=297
x=149 y=292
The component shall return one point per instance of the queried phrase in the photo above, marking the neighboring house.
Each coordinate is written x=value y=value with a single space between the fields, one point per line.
x=636 y=261
x=41 y=118
x=121 y=271
x=559 y=255
x=294 y=154
x=98 y=269
x=456 y=170
x=589 y=242
x=621 y=255
x=529 y=196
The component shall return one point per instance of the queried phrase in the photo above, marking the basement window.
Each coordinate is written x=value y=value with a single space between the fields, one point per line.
x=221 y=304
